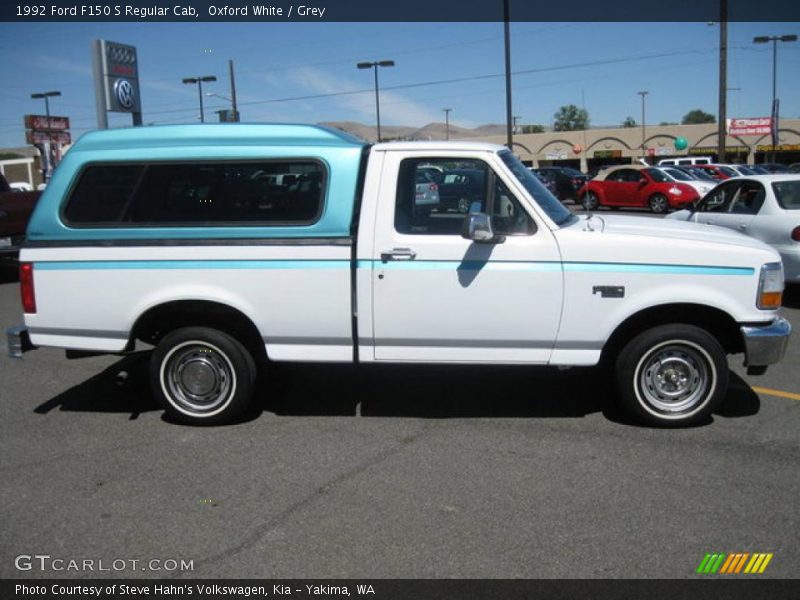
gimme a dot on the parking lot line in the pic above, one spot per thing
(779, 393)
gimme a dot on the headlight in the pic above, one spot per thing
(675, 191)
(770, 286)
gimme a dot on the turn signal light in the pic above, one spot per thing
(771, 300)
(26, 288)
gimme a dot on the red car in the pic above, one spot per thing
(718, 172)
(635, 186)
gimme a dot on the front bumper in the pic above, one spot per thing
(765, 344)
(19, 341)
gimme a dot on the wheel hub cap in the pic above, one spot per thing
(674, 378)
(199, 377)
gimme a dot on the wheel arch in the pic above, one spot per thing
(715, 321)
(159, 320)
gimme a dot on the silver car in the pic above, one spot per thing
(766, 207)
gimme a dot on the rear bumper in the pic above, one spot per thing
(19, 341)
(765, 344)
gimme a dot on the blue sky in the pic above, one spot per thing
(278, 62)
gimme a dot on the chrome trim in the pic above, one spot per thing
(765, 344)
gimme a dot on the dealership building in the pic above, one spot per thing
(595, 148)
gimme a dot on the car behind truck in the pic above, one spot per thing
(15, 210)
(186, 238)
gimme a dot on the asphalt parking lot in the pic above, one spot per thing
(392, 472)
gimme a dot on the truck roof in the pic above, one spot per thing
(216, 134)
(435, 146)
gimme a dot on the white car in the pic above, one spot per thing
(702, 186)
(766, 207)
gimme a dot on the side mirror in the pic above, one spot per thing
(642, 183)
(478, 228)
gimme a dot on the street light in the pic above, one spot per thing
(46, 95)
(199, 81)
(763, 39)
(447, 122)
(374, 65)
(643, 94)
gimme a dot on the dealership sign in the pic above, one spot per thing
(755, 126)
(116, 80)
(40, 123)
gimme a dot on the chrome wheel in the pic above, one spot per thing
(198, 378)
(674, 377)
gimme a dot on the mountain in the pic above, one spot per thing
(431, 131)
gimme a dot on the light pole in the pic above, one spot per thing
(763, 39)
(199, 81)
(374, 65)
(643, 94)
(46, 96)
(507, 48)
(447, 122)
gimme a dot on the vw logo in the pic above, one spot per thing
(123, 90)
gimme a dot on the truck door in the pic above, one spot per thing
(437, 296)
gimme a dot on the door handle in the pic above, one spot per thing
(398, 254)
(742, 226)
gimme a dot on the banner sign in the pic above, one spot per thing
(39, 123)
(753, 126)
(62, 138)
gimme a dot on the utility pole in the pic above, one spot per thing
(643, 94)
(233, 92)
(447, 122)
(507, 35)
(723, 81)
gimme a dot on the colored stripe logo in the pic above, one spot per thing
(734, 563)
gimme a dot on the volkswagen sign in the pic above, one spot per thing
(123, 91)
(117, 77)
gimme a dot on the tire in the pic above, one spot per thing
(672, 375)
(658, 203)
(202, 376)
(590, 201)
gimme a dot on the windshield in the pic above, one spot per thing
(549, 204)
(658, 175)
(787, 193)
(678, 175)
(702, 174)
(728, 171)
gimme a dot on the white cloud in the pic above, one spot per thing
(396, 109)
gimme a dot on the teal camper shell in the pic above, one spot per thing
(340, 154)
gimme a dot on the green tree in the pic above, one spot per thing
(571, 118)
(664, 123)
(697, 116)
(532, 129)
(629, 122)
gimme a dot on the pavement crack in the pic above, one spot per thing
(260, 531)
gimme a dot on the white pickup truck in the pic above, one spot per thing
(227, 246)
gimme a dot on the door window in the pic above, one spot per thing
(720, 198)
(434, 195)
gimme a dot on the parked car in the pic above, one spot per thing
(698, 173)
(15, 210)
(548, 179)
(794, 168)
(766, 207)
(685, 161)
(702, 186)
(459, 187)
(636, 186)
(745, 170)
(774, 168)
(427, 192)
(718, 172)
(568, 181)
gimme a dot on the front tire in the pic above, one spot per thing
(590, 201)
(672, 375)
(202, 376)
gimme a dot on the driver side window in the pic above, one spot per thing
(719, 199)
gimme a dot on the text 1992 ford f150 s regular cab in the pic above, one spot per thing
(226, 244)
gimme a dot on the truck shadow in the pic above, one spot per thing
(791, 296)
(430, 392)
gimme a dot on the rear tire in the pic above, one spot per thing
(672, 375)
(658, 203)
(202, 376)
